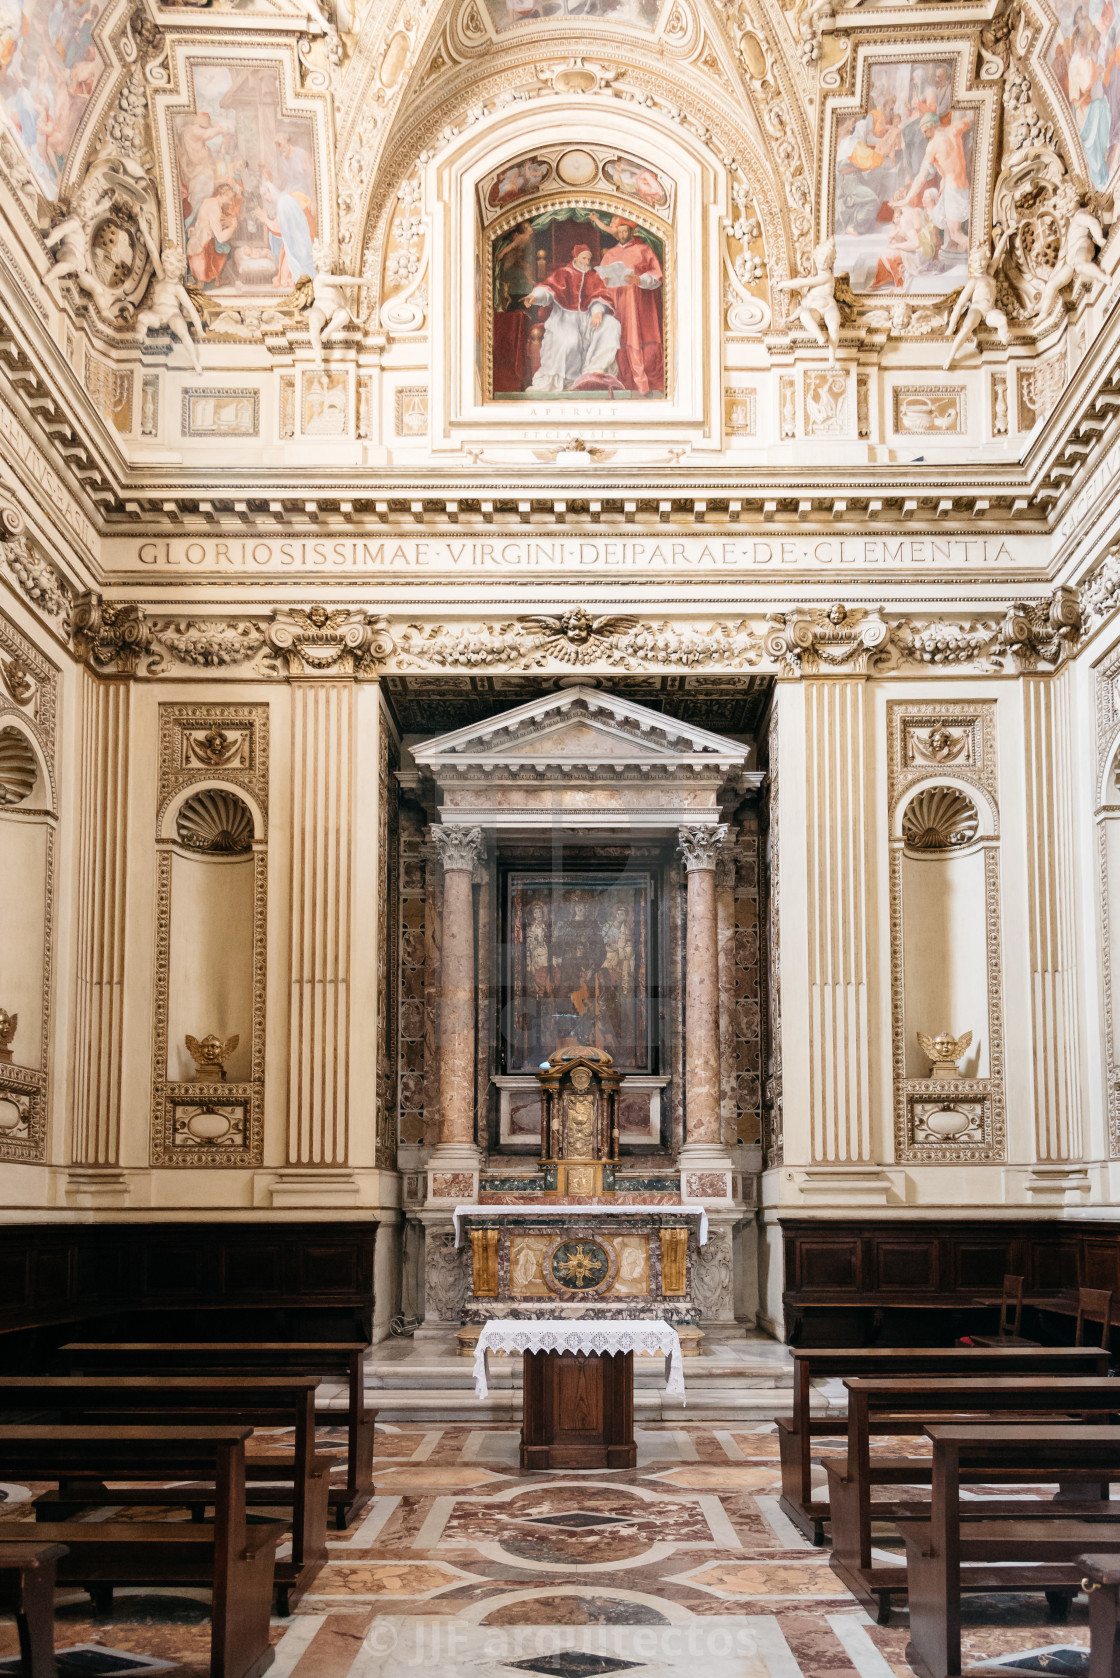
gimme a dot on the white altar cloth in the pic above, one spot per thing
(517, 1210)
(547, 1334)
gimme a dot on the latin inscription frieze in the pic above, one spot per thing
(606, 555)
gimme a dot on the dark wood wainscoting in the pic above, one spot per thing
(183, 1281)
(916, 1283)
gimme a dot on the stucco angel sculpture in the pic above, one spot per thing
(170, 301)
(978, 298)
(8, 1023)
(1082, 237)
(331, 310)
(819, 312)
(944, 1051)
(69, 241)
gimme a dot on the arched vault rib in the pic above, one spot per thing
(646, 83)
(378, 126)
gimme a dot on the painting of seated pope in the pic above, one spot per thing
(579, 308)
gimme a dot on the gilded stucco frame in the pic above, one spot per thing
(975, 718)
(968, 93)
(174, 780)
(194, 47)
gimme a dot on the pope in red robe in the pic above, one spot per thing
(635, 276)
(581, 334)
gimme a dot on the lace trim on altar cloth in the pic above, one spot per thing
(589, 1338)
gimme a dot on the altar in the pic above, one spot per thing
(565, 1245)
(578, 1386)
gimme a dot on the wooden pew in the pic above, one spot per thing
(901, 1405)
(1101, 1583)
(796, 1433)
(300, 1479)
(1014, 1554)
(342, 1359)
(235, 1559)
(27, 1579)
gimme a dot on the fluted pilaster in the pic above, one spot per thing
(100, 915)
(322, 861)
(837, 873)
(1050, 799)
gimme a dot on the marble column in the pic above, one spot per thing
(454, 1163)
(705, 1163)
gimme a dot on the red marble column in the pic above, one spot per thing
(700, 847)
(460, 849)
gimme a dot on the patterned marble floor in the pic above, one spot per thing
(465, 1566)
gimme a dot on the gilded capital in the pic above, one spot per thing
(700, 846)
(459, 847)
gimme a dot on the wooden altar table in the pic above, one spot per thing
(578, 1385)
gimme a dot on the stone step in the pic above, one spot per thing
(452, 1373)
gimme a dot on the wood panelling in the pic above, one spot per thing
(887, 1282)
(299, 1274)
(907, 1265)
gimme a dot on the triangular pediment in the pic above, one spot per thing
(581, 725)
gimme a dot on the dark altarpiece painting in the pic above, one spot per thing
(578, 967)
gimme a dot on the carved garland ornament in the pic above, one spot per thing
(801, 640)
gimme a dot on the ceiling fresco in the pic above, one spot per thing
(649, 240)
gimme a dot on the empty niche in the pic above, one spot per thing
(26, 832)
(944, 927)
(210, 931)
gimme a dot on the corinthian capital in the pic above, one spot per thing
(459, 847)
(700, 845)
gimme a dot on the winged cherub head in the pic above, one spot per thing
(210, 1053)
(944, 1051)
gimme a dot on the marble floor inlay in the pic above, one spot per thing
(465, 1566)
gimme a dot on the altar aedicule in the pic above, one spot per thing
(586, 950)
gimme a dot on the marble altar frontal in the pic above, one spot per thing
(631, 1262)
